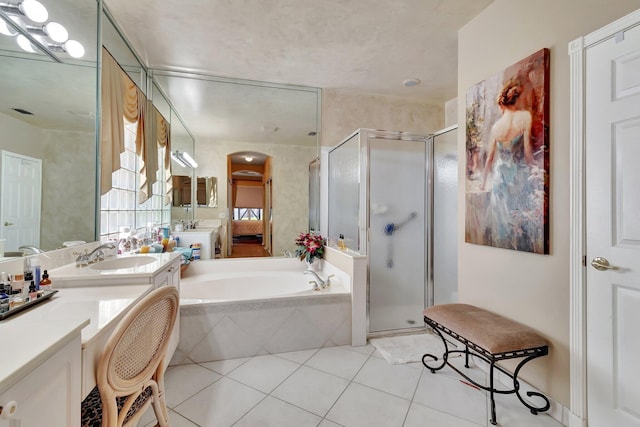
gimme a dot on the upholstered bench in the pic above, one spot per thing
(490, 337)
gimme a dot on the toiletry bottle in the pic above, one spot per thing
(4, 300)
(28, 279)
(33, 293)
(45, 283)
(18, 283)
(341, 244)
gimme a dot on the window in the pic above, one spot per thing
(248, 214)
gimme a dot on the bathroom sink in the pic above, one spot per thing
(126, 262)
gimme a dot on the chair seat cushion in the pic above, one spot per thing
(92, 407)
(492, 332)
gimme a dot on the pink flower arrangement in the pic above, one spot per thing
(310, 246)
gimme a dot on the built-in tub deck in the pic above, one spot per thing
(241, 308)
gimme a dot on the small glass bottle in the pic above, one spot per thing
(33, 292)
(45, 283)
(341, 244)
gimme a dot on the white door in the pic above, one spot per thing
(20, 185)
(613, 230)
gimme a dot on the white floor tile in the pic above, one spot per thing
(183, 381)
(272, 412)
(364, 349)
(221, 404)
(310, 389)
(298, 356)
(264, 372)
(366, 407)
(175, 420)
(399, 380)
(223, 367)
(421, 416)
(327, 423)
(450, 395)
(338, 361)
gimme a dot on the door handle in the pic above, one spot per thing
(602, 264)
(7, 223)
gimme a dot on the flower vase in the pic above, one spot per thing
(316, 265)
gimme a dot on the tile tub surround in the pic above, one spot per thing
(223, 330)
(210, 332)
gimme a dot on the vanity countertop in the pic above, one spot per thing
(71, 273)
(34, 335)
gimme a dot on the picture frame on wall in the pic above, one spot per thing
(507, 162)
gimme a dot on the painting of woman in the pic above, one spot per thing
(507, 158)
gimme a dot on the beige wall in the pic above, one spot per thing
(531, 288)
(345, 111)
(68, 164)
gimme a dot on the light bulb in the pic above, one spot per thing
(189, 160)
(74, 49)
(34, 10)
(248, 159)
(25, 44)
(8, 30)
(56, 32)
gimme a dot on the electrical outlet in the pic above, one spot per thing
(222, 215)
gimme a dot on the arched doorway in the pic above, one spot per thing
(249, 191)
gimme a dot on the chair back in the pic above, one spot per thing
(133, 357)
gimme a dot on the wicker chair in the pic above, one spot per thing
(130, 374)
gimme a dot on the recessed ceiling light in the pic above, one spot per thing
(248, 158)
(411, 82)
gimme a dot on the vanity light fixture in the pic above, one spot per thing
(27, 19)
(32, 9)
(183, 159)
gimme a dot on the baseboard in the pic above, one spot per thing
(576, 421)
(557, 411)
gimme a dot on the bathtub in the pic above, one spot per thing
(232, 308)
(247, 286)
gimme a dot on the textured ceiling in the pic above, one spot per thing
(360, 45)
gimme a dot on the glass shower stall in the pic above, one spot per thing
(381, 203)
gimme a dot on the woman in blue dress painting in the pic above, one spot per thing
(509, 157)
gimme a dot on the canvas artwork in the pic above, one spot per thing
(507, 145)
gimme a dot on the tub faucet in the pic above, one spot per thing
(323, 283)
(30, 249)
(94, 256)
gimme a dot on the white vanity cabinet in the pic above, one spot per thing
(169, 275)
(49, 395)
(207, 237)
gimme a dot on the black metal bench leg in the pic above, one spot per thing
(491, 393)
(466, 356)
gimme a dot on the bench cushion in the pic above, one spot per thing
(492, 332)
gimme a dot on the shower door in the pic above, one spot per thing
(397, 233)
(444, 288)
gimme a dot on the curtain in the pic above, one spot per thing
(121, 100)
(112, 122)
(249, 197)
(163, 139)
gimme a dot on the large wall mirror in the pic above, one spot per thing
(47, 126)
(229, 116)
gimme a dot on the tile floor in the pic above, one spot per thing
(329, 387)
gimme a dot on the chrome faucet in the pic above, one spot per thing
(94, 256)
(30, 249)
(319, 281)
